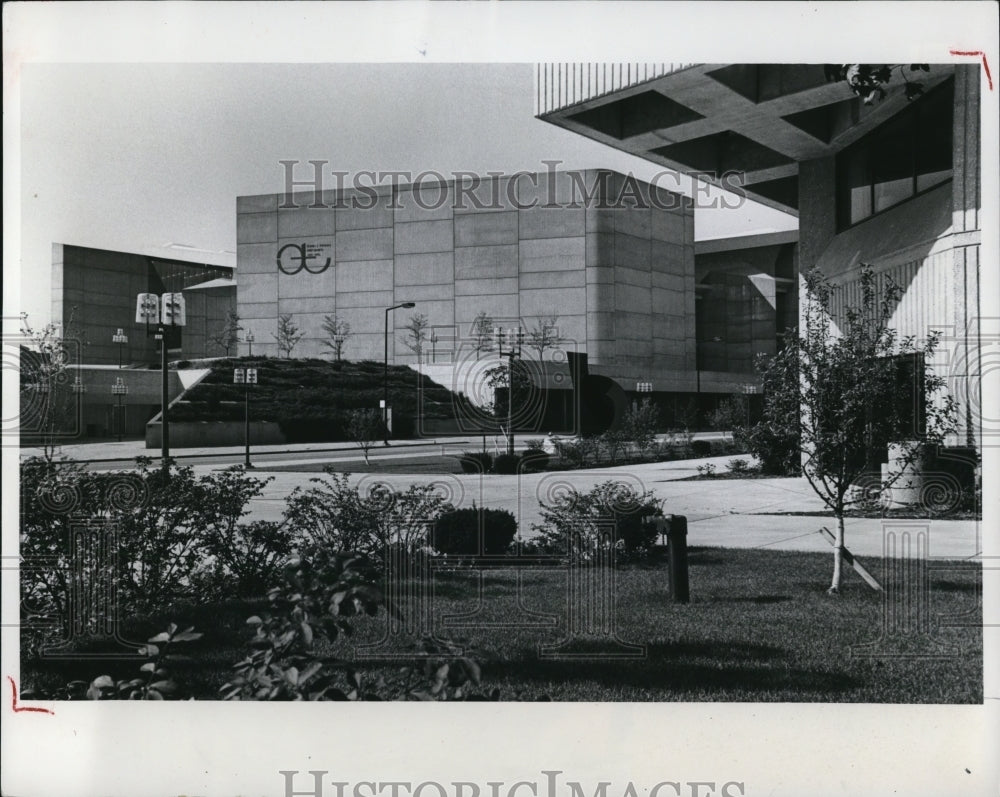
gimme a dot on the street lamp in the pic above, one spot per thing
(165, 311)
(120, 389)
(509, 343)
(121, 339)
(434, 341)
(246, 377)
(249, 342)
(385, 371)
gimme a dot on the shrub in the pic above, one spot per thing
(578, 453)
(708, 469)
(738, 466)
(701, 448)
(506, 464)
(535, 444)
(776, 447)
(575, 523)
(614, 445)
(640, 426)
(338, 517)
(475, 531)
(476, 461)
(534, 459)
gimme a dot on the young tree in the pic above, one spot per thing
(50, 398)
(846, 384)
(544, 335)
(640, 425)
(482, 333)
(288, 335)
(416, 333)
(337, 332)
(227, 337)
(365, 429)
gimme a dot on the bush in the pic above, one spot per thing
(338, 517)
(701, 448)
(640, 426)
(476, 461)
(738, 466)
(776, 447)
(708, 469)
(578, 453)
(614, 445)
(575, 523)
(534, 459)
(475, 531)
(506, 464)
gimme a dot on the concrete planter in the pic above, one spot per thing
(197, 434)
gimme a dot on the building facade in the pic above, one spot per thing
(894, 184)
(607, 260)
(94, 294)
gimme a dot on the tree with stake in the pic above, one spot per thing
(482, 333)
(545, 335)
(844, 372)
(365, 429)
(337, 332)
(288, 335)
(227, 337)
(416, 334)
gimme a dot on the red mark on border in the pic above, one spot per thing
(17, 708)
(986, 66)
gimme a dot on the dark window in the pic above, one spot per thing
(909, 154)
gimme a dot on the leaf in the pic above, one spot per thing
(187, 636)
(255, 620)
(163, 636)
(292, 675)
(167, 686)
(149, 666)
(307, 634)
(102, 682)
(171, 628)
(150, 651)
(152, 694)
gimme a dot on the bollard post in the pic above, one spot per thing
(677, 552)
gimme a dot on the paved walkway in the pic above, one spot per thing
(735, 513)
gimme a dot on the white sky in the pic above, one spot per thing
(132, 157)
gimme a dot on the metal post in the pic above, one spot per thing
(385, 381)
(246, 422)
(510, 404)
(121, 419)
(677, 553)
(164, 400)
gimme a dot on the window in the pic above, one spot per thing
(909, 154)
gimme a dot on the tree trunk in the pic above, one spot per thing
(838, 557)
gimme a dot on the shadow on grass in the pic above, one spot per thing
(681, 667)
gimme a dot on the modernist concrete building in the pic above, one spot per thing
(894, 184)
(94, 293)
(620, 276)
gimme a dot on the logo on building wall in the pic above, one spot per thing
(314, 258)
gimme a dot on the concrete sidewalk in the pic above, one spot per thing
(733, 513)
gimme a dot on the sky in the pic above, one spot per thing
(150, 157)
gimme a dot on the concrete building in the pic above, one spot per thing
(894, 184)
(94, 293)
(620, 276)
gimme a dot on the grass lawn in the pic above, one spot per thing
(759, 628)
(416, 464)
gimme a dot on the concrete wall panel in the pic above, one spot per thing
(552, 254)
(364, 275)
(305, 221)
(254, 228)
(364, 244)
(486, 261)
(433, 268)
(486, 229)
(424, 236)
(541, 222)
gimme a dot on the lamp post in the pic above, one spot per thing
(509, 343)
(120, 389)
(121, 339)
(245, 377)
(385, 371)
(249, 342)
(434, 341)
(166, 311)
